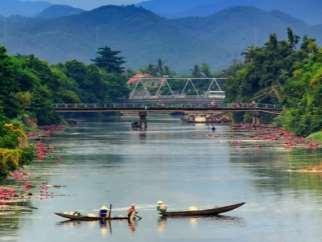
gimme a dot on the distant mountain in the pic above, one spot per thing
(170, 8)
(23, 8)
(143, 36)
(56, 11)
(308, 10)
(197, 11)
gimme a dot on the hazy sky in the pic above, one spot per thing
(88, 4)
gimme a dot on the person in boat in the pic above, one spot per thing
(76, 213)
(103, 212)
(162, 207)
(135, 125)
(131, 212)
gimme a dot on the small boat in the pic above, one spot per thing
(135, 125)
(207, 212)
(80, 217)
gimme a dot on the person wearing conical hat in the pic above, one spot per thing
(131, 212)
(161, 207)
(103, 212)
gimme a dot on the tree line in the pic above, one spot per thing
(30, 87)
(286, 72)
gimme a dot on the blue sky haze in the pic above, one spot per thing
(89, 4)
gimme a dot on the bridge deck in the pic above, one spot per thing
(164, 106)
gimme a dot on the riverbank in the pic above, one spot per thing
(28, 147)
(15, 149)
(193, 170)
(19, 148)
(268, 134)
(316, 137)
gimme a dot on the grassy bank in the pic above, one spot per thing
(15, 150)
(316, 137)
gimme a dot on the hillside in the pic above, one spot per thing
(56, 11)
(171, 8)
(23, 8)
(308, 10)
(143, 36)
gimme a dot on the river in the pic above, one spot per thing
(181, 164)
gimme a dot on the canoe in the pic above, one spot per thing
(87, 217)
(207, 212)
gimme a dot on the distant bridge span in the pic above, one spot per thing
(167, 106)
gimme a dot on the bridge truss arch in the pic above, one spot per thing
(144, 88)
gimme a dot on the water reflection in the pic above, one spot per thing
(193, 222)
(9, 225)
(104, 226)
(179, 163)
(142, 136)
(277, 170)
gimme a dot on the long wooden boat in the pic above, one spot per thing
(207, 212)
(88, 217)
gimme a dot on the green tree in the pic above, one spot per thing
(8, 85)
(303, 112)
(265, 70)
(109, 60)
(286, 72)
(160, 69)
(196, 71)
(205, 70)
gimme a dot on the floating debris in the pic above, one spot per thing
(275, 135)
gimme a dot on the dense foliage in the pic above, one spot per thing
(284, 72)
(30, 87)
(14, 146)
(303, 112)
(158, 70)
(109, 60)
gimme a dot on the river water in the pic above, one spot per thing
(181, 164)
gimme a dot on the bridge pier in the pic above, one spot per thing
(218, 117)
(143, 123)
(256, 119)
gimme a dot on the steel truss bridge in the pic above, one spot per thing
(171, 95)
(176, 87)
(167, 106)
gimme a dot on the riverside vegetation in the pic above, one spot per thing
(30, 87)
(286, 72)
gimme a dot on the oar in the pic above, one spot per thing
(31, 207)
(110, 212)
(110, 226)
(138, 217)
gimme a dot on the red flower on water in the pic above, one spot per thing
(7, 193)
(19, 175)
(41, 150)
(27, 186)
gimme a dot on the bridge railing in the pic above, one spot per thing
(166, 105)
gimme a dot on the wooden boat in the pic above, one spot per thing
(81, 217)
(207, 212)
(135, 125)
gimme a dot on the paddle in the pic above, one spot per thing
(138, 217)
(110, 212)
(31, 207)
